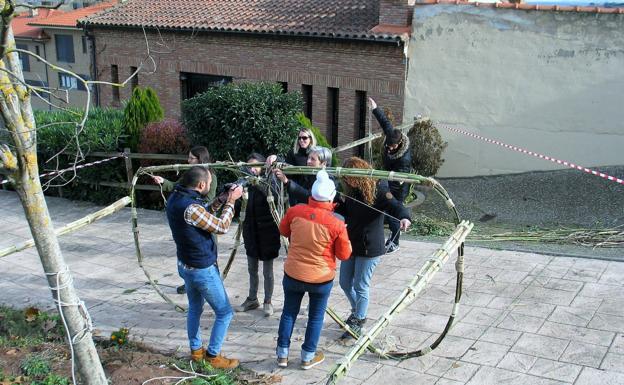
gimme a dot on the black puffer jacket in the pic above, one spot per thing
(299, 193)
(260, 232)
(304, 181)
(365, 225)
(400, 160)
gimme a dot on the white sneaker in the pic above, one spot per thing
(268, 309)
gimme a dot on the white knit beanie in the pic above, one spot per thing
(323, 189)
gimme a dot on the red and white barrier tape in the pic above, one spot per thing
(535, 154)
(121, 155)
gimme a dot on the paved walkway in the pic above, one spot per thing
(524, 319)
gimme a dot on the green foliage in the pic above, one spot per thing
(142, 108)
(426, 146)
(120, 337)
(52, 379)
(218, 376)
(424, 225)
(56, 130)
(22, 328)
(321, 140)
(35, 366)
(239, 118)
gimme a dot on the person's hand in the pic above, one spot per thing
(271, 159)
(235, 193)
(372, 103)
(405, 224)
(158, 179)
(280, 175)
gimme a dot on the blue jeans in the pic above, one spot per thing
(206, 285)
(293, 294)
(355, 278)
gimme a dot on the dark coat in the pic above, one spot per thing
(304, 181)
(365, 225)
(260, 232)
(400, 160)
(300, 192)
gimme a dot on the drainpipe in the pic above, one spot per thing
(45, 56)
(96, 89)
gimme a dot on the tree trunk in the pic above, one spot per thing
(20, 166)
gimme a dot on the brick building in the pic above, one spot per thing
(336, 52)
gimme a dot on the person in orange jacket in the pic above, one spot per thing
(317, 237)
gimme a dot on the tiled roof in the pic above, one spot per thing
(22, 29)
(530, 7)
(70, 18)
(347, 19)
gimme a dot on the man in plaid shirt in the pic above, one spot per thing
(193, 227)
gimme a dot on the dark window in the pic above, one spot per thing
(360, 119)
(306, 90)
(115, 79)
(84, 44)
(64, 48)
(37, 52)
(284, 86)
(24, 57)
(332, 115)
(135, 79)
(69, 82)
(193, 84)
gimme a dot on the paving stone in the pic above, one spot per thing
(461, 371)
(598, 290)
(540, 346)
(485, 353)
(396, 375)
(555, 370)
(551, 296)
(501, 303)
(571, 316)
(584, 354)
(500, 336)
(607, 322)
(589, 303)
(532, 308)
(612, 306)
(440, 366)
(446, 381)
(563, 284)
(618, 344)
(483, 316)
(521, 322)
(496, 376)
(577, 333)
(613, 362)
(466, 330)
(591, 376)
(517, 362)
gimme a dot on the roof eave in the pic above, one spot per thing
(398, 40)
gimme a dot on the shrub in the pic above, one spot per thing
(166, 137)
(35, 366)
(321, 140)
(239, 118)
(142, 108)
(56, 130)
(426, 146)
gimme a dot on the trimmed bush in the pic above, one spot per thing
(321, 140)
(142, 108)
(238, 118)
(56, 130)
(426, 146)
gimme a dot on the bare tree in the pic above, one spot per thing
(18, 161)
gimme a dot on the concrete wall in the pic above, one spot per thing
(551, 82)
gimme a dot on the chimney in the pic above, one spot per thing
(395, 12)
(33, 12)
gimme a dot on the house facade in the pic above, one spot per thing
(54, 36)
(335, 52)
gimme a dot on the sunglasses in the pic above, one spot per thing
(304, 137)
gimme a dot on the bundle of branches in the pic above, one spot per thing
(613, 237)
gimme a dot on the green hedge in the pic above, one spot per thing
(239, 118)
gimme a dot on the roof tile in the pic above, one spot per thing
(334, 18)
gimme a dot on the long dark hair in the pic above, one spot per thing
(202, 154)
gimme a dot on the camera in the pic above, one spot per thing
(223, 193)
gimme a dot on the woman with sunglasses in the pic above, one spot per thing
(299, 192)
(298, 156)
(398, 158)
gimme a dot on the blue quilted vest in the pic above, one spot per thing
(195, 246)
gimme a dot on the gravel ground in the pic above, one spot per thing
(549, 199)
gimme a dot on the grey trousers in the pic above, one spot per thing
(267, 272)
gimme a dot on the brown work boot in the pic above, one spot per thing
(221, 362)
(198, 355)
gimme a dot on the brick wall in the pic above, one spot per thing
(396, 12)
(376, 68)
